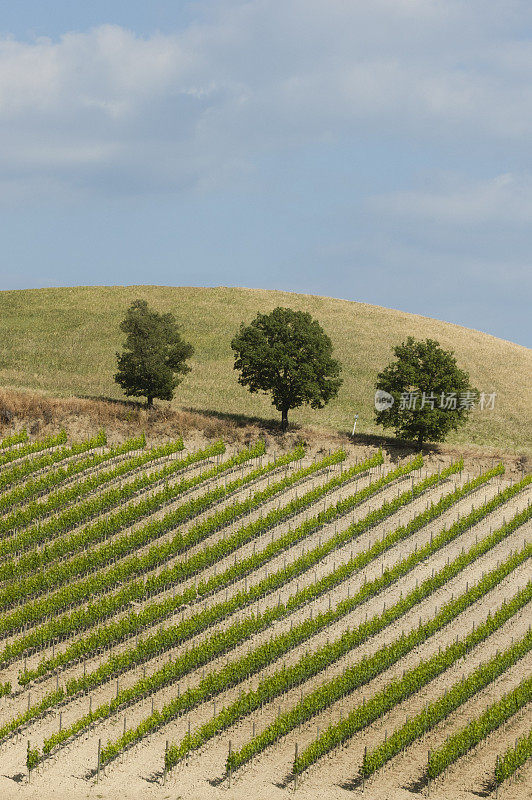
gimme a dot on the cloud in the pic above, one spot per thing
(107, 110)
(503, 199)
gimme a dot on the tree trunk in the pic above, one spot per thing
(284, 419)
(420, 441)
(150, 402)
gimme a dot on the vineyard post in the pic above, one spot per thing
(496, 778)
(364, 768)
(295, 771)
(229, 762)
(98, 767)
(428, 773)
(165, 760)
(28, 762)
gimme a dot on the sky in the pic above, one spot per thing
(374, 150)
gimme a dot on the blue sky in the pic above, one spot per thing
(376, 151)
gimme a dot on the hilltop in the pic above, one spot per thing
(62, 342)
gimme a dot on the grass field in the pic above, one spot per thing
(213, 623)
(63, 342)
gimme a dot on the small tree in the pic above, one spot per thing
(155, 355)
(431, 395)
(288, 354)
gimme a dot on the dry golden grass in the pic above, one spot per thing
(62, 342)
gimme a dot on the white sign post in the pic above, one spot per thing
(354, 426)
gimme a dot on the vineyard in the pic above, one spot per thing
(253, 622)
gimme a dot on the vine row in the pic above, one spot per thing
(73, 593)
(435, 712)
(472, 734)
(105, 637)
(148, 648)
(33, 447)
(513, 758)
(400, 689)
(68, 571)
(18, 472)
(14, 438)
(50, 481)
(312, 664)
(91, 508)
(219, 643)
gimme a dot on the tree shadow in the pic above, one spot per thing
(243, 420)
(395, 448)
(123, 406)
(117, 401)
(239, 420)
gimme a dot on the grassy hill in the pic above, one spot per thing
(63, 342)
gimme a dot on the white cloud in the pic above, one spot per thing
(108, 110)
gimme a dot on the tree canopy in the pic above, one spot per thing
(287, 354)
(431, 394)
(154, 359)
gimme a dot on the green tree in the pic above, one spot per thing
(287, 354)
(431, 394)
(154, 359)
